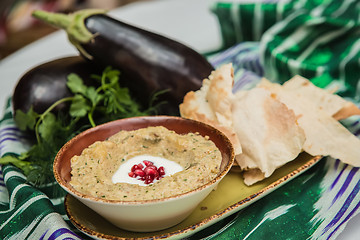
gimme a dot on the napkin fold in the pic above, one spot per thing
(318, 40)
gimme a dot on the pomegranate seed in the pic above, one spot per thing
(149, 179)
(151, 167)
(161, 171)
(147, 174)
(134, 168)
(151, 171)
(148, 163)
(139, 172)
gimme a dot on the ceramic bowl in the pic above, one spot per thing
(146, 215)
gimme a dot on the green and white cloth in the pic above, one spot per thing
(318, 40)
(276, 39)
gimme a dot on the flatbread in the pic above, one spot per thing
(252, 176)
(324, 134)
(268, 131)
(332, 104)
(212, 103)
(274, 122)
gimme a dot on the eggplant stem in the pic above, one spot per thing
(58, 20)
(73, 24)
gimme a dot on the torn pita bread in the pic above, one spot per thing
(324, 134)
(274, 122)
(268, 131)
(332, 104)
(212, 103)
(253, 176)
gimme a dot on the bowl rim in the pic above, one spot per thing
(68, 188)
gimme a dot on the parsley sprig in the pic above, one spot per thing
(89, 106)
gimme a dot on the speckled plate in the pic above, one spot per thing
(230, 196)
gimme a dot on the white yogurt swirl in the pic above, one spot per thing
(122, 174)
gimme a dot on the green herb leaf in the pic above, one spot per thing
(27, 120)
(79, 106)
(103, 103)
(112, 75)
(24, 165)
(46, 127)
(93, 96)
(76, 84)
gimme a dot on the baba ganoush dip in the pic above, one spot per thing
(92, 172)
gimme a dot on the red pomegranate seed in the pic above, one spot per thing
(148, 163)
(151, 167)
(149, 179)
(139, 172)
(161, 171)
(147, 174)
(151, 171)
(135, 167)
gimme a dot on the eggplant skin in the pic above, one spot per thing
(148, 62)
(44, 84)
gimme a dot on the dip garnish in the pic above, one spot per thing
(148, 173)
(145, 169)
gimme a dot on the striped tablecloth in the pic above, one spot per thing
(276, 39)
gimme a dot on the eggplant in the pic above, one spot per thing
(44, 84)
(148, 61)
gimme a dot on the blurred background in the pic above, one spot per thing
(18, 28)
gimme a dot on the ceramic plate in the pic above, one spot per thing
(230, 196)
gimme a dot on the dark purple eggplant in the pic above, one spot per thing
(43, 85)
(148, 62)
